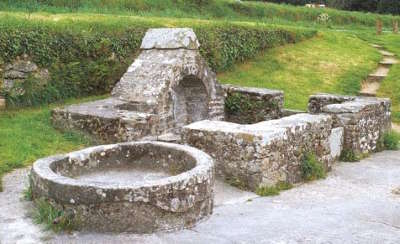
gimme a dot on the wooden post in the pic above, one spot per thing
(395, 26)
(2, 103)
(379, 27)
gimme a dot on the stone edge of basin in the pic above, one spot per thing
(166, 204)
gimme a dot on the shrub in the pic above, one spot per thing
(391, 140)
(311, 168)
(389, 7)
(349, 156)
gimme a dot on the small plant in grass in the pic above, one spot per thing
(52, 217)
(391, 140)
(311, 168)
(27, 194)
(349, 156)
(265, 191)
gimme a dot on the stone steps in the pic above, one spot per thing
(371, 85)
(386, 53)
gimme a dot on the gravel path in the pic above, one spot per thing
(357, 203)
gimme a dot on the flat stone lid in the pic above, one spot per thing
(170, 38)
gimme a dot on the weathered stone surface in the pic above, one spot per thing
(170, 38)
(248, 105)
(169, 87)
(365, 120)
(336, 140)
(263, 153)
(17, 72)
(165, 203)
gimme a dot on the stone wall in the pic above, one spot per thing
(365, 119)
(268, 152)
(16, 73)
(248, 105)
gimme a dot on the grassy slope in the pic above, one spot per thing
(391, 85)
(27, 135)
(204, 9)
(332, 62)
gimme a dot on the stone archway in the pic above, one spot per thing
(190, 101)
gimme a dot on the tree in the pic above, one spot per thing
(389, 7)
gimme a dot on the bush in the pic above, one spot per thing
(311, 168)
(391, 140)
(89, 57)
(349, 156)
(389, 7)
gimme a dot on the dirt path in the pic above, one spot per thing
(357, 203)
(370, 86)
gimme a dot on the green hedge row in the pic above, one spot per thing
(89, 57)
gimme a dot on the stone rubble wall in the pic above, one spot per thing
(365, 120)
(248, 105)
(265, 153)
(18, 72)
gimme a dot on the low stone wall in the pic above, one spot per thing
(364, 119)
(248, 105)
(268, 152)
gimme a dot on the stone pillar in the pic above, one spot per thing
(379, 26)
(395, 26)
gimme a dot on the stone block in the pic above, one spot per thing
(170, 38)
(248, 105)
(364, 119)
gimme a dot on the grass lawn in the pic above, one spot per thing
(27, 135)
(332, 62)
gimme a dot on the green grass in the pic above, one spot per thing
(390, 87)
(27, 134)
(266, 191)
(331, 62)
(203, 9)
(52, 217)
(311, 168)
(391, 140)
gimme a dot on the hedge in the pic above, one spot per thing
(89, 57)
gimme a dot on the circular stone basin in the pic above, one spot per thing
(138, 187)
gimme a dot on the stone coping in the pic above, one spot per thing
(251, 90)
(267, 130)
(170, 38)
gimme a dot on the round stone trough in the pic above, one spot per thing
(138, 187)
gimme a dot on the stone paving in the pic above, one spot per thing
(356, 203)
